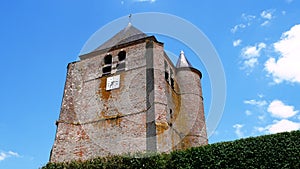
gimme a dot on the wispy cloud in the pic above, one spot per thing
(238, 130)
(264, 18)
(260, 107)
(248, 18)
(248, 112)
(253, 51)
(237, 27)
(4, 155)
(246, 21)
(267, 16)
(258, 103)
(237, 42)
(265, 23)
(286, 67)
(250, 55)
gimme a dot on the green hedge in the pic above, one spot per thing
(270, 151)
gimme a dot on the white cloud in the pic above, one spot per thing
(265, 23)
(260, 95)
(237, 42)
(260, 129)
(286, 68)
(258, 103)
(253, 51)
(267, 14)
(250, 55)
(251, 63)
(278, 109)
(248, 112)
(238, 131)
(247, 21)
(13, 154)
(5, 155)
(248, 18)
(237, 27)
(261, 118)
(282, 126)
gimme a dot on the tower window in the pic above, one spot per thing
(172, 83)
(166, 72)
(107, 64)
(106, 70)
(121, 64)
(172, 79)
(167, 76)
(108, 59)
(122, 56)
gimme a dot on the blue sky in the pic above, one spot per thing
(257, 42)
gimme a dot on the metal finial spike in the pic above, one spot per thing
(129, 17)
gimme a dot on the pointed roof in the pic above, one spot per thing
(128, 34)
(182, 61)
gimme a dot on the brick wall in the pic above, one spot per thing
(144, 114)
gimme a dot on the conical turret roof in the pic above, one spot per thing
(128, 34)
(182, 61)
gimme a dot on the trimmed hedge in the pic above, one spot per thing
(270, 151)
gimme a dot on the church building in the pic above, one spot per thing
(127, 96)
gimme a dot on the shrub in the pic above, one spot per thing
(270, 151)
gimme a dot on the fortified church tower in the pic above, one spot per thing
(127, 96)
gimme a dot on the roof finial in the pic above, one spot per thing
(129, 18)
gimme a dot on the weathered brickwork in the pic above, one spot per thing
(150, 110)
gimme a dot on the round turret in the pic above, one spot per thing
(191, 121)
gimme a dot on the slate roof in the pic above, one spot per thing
(128, 34)
(182, 61)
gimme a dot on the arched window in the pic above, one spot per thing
(121, 64)
(122, 56)
(108, 59)
(107, 64)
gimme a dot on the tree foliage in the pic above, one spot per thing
(270, 151)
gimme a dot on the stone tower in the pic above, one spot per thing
(126, 96)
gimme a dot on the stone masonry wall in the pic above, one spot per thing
(146, 113)
(95, 122)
